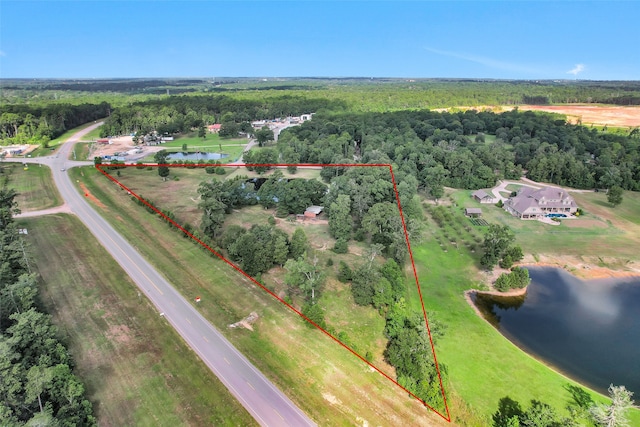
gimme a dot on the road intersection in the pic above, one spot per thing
(268, 405)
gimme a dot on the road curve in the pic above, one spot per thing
(268, 405)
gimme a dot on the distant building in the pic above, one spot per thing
(312, 212)
(483, 197)
(531, 203)
(214, 128)
(473, 212)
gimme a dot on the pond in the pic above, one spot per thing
(196, 156)
(588, 330)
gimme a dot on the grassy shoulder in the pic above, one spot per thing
(325, 380)
(80, 151)
(137, 370)
(35, 187)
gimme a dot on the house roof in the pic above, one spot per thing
(315, 209)
(547, 197)
(481, 194)
(215, 126)
(473, 210)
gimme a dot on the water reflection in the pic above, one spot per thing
(589, 330)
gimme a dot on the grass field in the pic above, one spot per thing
(35, 186)
(326, 381)
(212, 141)
(602, 232)
(80, 151)
(482, 365)
(137, 370)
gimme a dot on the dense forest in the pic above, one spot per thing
(362, 94)
(37, 384)
(469, 149)
(26, 124)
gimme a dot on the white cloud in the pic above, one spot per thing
(577, 69)
(487, 62)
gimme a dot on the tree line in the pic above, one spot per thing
(178, 114)
(26, 124)
(470, 149)
(37, 383)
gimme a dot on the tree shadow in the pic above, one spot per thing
(507, 409)
(581, 398)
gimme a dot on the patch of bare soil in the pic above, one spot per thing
(587, 268)
(247, 322)
(91, 197)
(121, 144)
(593, 114)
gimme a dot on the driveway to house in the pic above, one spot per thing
(268, 405)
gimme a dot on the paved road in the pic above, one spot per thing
(268, 405)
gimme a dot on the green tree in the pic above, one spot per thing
(299, 243)
(202, 132)
(614, 195)
(280, 249)
(496, 242)
(305, 275)
(615, 414)
(340, 220)
(161, 159)
(264, 135)
(314, 313)
(38, 379)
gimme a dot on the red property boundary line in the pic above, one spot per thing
(447, 416)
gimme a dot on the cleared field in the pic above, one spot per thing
(137, 370)
(610, 115)
(35, 186)
(326, 381)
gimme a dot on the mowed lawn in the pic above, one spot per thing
(211, 141)
(324, 379)
(602, 232)
(137, 370)
(34, 186)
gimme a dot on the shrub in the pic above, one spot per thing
(345, 274)
(220, 170)
(341, 246)
(209, 169)
(271, 220)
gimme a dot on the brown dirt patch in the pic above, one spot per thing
(91, 197)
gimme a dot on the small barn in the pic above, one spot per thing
(312, 212)
(214, 128)
(483, 197)
(473, 212)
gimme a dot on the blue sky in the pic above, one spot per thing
(458, 39)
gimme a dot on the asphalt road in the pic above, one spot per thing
(268, 405)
